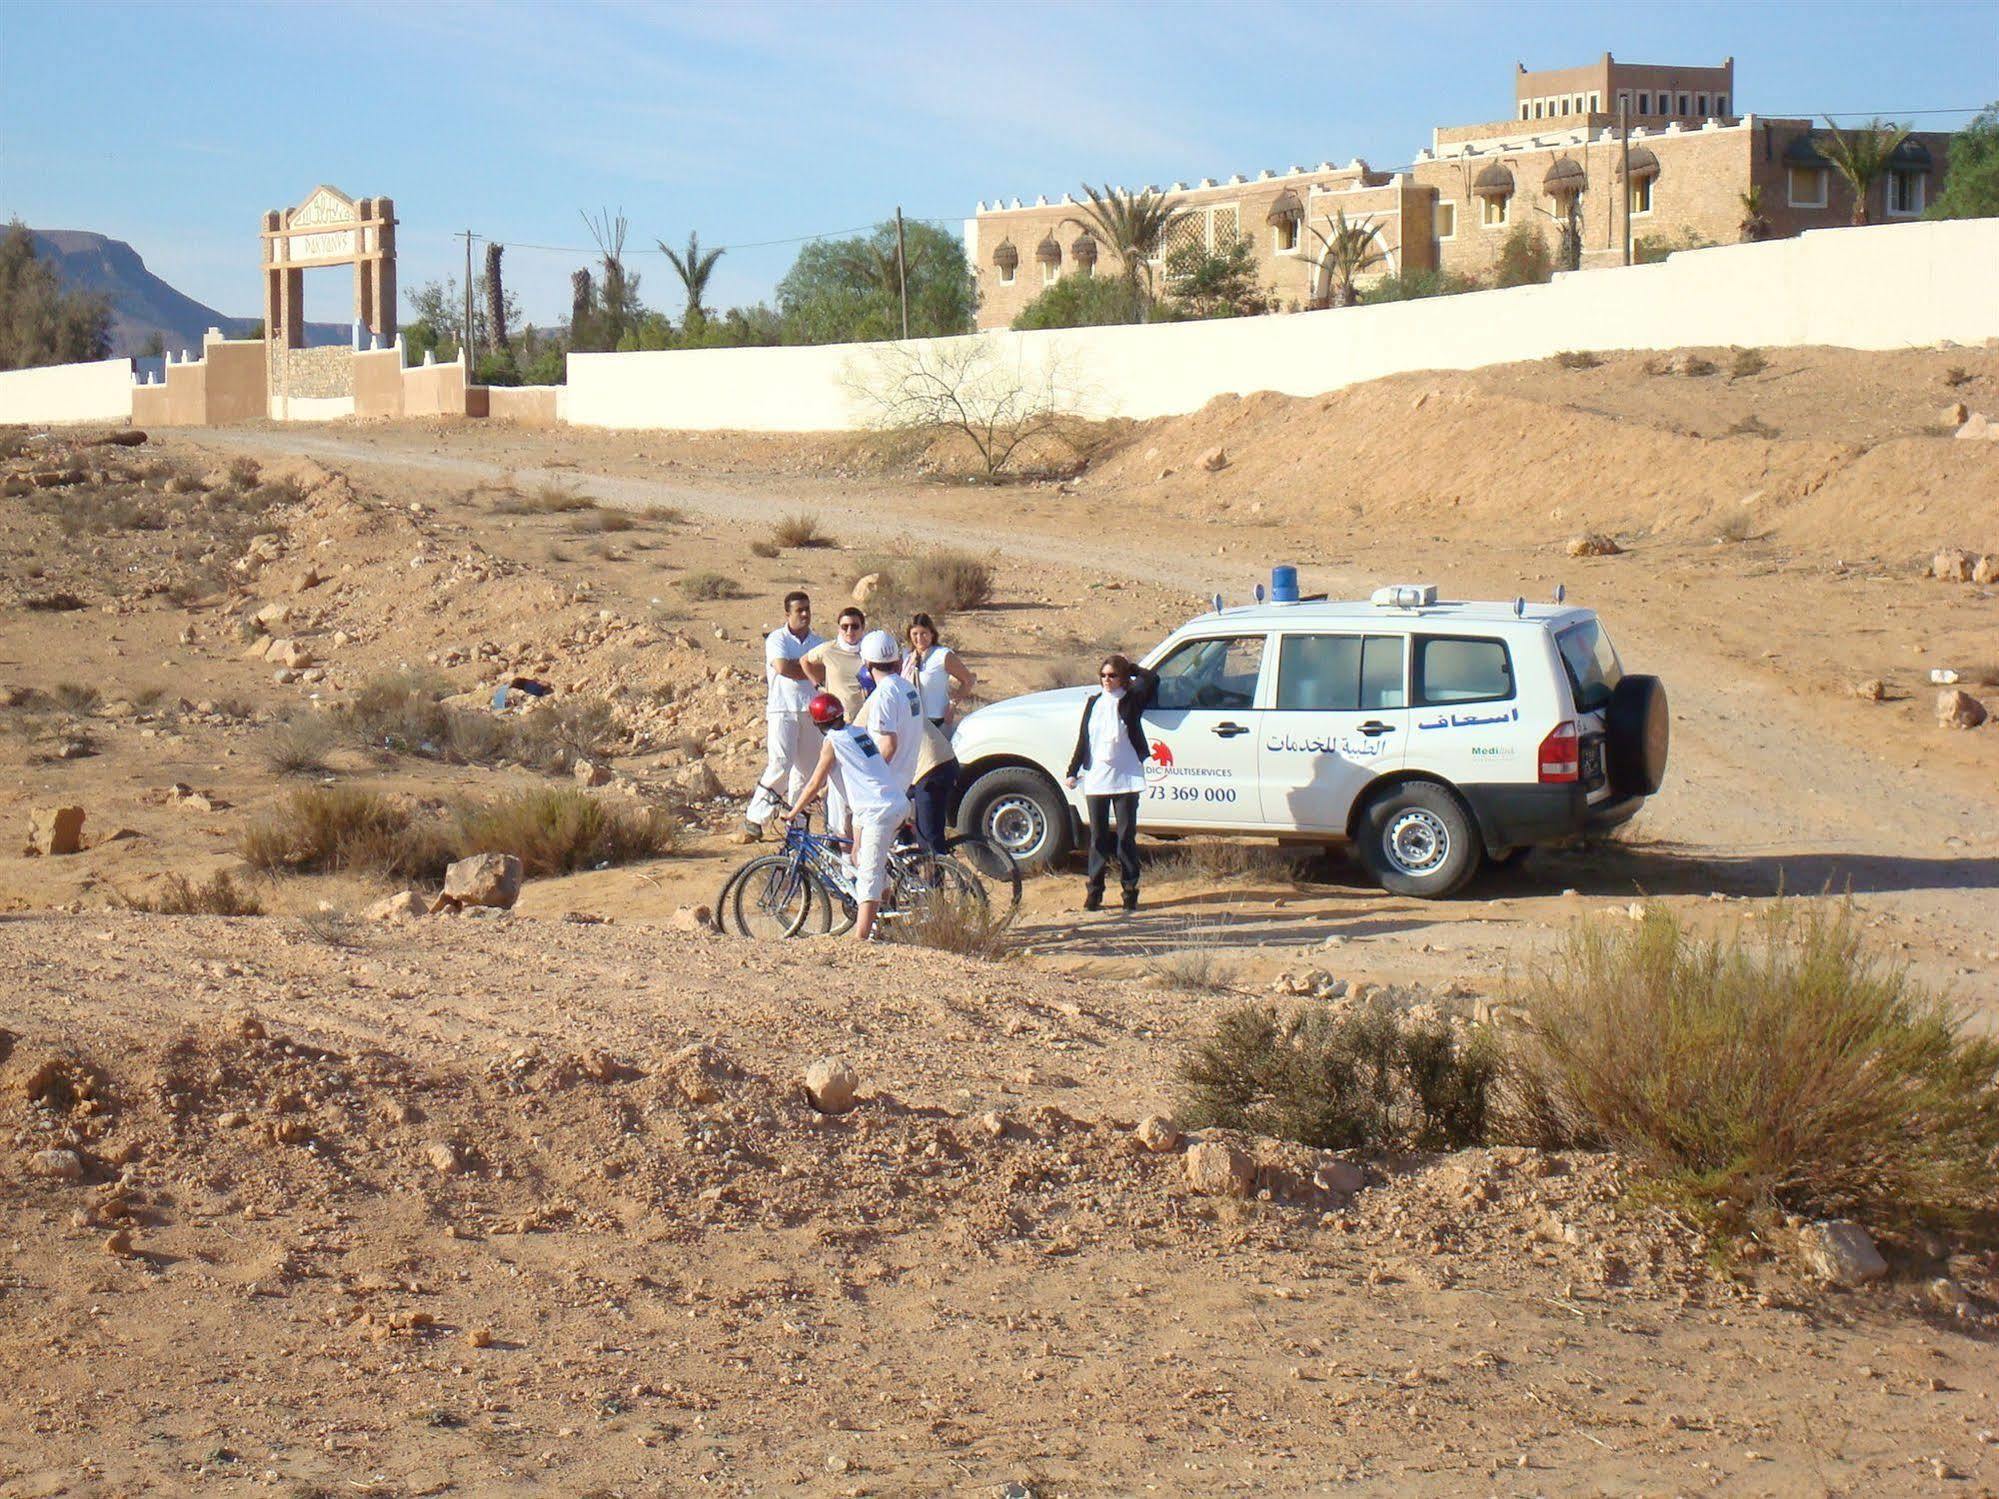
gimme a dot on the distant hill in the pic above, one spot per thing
(141, 303)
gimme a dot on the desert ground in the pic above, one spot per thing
(536, 1201)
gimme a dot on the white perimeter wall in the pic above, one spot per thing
(100, 392)
(1885, 287)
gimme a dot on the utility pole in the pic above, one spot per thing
(901, 273)
(1624, 165)
(465, 343)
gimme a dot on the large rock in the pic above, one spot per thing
(1957, 709)
(1156, 1133)
(1952, 565)
(831, 1084)
(1217, 1169)
(1841, 1252)
(404, 905)
(698, 780)
(1978, 427)
(484, 880)
(1215, 460)
(1985, 569)
(55, 830)
(592, 773)
(1593, 544)
(58, 1165)
(864, 588)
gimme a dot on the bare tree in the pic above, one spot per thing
(618, 295)
(967, 386)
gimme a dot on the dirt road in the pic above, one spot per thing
(1772, 790)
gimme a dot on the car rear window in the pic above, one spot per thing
(1591, 662)
(1462, 669)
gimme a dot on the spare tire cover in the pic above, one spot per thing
(1640, 727)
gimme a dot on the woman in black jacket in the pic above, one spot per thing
(1109, 762)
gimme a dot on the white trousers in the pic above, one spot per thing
(792, 743)
(874, 836)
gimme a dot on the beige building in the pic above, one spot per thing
(1560, 160)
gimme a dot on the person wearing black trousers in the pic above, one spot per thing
(1109, 763)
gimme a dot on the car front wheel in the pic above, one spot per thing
(1021, 811)
(1419, 839)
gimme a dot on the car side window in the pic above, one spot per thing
(1214, 673)
(1458, 669)
(1339, 673)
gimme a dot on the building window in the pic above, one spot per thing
(1905, 194)
(1446, 220)
(1050, 273)
(1284, 235)
(1645, 104)
(1596, 104)
(1684, 101)
(1641, 196)
(1808, 187)
(1700, 105)
(1493, 211)
(1537, 109)
(1523, 109)
(1721, 105)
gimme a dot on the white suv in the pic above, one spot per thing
(1432, 734)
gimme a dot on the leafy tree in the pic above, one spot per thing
(652, 330)
(1204, 283)
(1524, 259)
(739, 327)
(439, 320)
(1755, 224)
(1861, 157)
(1083, 302)
(1348, 252)
(155, 346)
(1412, 286)
(846, 291)
(1971, 181)
(693, 267)
(40, 323)
(1133, 227)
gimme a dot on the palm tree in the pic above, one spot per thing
(1134, 227)
(1349, 250)
(1861, 156)
(693, 268)
(1755, 223)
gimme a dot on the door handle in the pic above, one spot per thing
(1229, 730)
(1374, 728)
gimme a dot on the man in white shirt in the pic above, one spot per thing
(789, 736)
(894, 709)
(861, 765)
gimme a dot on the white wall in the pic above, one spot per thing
(1885, 287)
(100, 392)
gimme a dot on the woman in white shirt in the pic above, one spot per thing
(1109, 763)
(935, 669)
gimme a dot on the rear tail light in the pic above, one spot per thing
(1560, 755)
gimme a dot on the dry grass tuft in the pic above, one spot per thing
(799, 531)
(1737, 526)
(1193, 970)
(180, 896)
(298, 746)
(1779, 1068)
(1363, 1079)
(1577, 359)
(764, 549)
(543, 499)
(709, 587)
(1747, 362)
(969, 927)
(1217, 860)
(936, 582)
(76, 697)
(602, 520)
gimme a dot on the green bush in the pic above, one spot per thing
(1524, 258)
(1083, 302)
(1410, 286)
(1971, 181)
(1363, 1079)
(1786, 1068)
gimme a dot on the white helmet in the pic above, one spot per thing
(878, 648)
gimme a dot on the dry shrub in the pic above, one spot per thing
(1747, 362)
(1193, 970)
(709, 587)
(799, 531)
(935, 582)
(60, 602)
(1218, 860)
(1737, 526)
(1781, 1068)
(764, 549)
(551, 831)
(76, 697)
(298, 746)
(1359, 1079)
(599, 519)
(1698, 366)
(1577, 359)
(967, 926)
(243, 472)
(402, 714)
(1956, 375)
(180, 896)
(556, 735)
(1750, 426)
(543, 499)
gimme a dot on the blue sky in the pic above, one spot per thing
(175, 126)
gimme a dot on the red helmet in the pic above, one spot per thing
(826, 710)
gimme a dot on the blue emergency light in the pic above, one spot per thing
(1284, 584)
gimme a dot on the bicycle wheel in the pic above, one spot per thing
(992, 864)
(924, 883)
(839, 912)
(774, 898)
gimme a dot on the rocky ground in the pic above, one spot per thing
(539, 1200)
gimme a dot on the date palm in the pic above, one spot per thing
(1755, 224)
(693, 266)
(1134, 227)
(1862, 156)
(1349, 250)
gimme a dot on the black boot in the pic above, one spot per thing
(1130, 899)
(1093, 897)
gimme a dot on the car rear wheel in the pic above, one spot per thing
(1419, 839)
(1021, 812)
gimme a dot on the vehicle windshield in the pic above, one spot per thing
(1591, 662)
